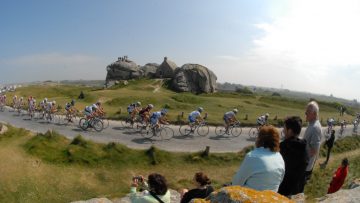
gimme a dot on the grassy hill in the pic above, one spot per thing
(50, 168)
(116, 99)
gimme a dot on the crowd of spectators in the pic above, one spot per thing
(283, 167)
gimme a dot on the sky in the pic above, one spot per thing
(303, 45)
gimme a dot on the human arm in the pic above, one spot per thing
(244, 172)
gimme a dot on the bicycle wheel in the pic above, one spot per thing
(185, 130)
(105, 122)
(203, 130)
(147, 132)
(236, 131)
(166, 133)
(253, 132)
(97, 124)
(83, 123)
(220, 130)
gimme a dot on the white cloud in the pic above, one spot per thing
(308, 48)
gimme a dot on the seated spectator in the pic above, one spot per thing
(339, 176)
(156, 189)
(202, 190)
(263, 168)
(293, 151)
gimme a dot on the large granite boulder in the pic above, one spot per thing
(238, 194)
(343, 196)
(166, 69)
(194, 78)
(149, 70)
(123, 69)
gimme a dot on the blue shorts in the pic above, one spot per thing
(153, 121)
(191, 120)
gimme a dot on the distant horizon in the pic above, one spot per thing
(251, 85)
(302, 45)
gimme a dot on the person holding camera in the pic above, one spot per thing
(155, 189)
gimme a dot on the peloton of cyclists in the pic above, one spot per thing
(195, 116)
(229, 118)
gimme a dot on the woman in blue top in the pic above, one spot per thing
(263, 168)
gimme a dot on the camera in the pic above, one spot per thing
(138, 178)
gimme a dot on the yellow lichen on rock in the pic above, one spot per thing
(238, 194)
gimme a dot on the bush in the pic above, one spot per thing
(81, 96)
(244, 90)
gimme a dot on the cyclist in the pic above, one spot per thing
(195, 116)
(14, 101)
(99, 111)
(355, 123)
(69, 107)
(229, 118)
(89, 112)
(330, 123)
(51, 107)
(20, 103)
(158, 118)
(32, 105)
(145, 113)
(262, 120)
(134, 109)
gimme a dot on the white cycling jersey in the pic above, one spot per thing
(193, 115)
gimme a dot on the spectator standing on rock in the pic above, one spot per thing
(263, 168)
(202, 190)
(313, 137)
(329, 143)
(293, 151)
(156, 189)
(339, 176)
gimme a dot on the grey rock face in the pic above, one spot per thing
(343, 196)
(123, 69)
(149, 70)
(166, 69)
(194, 78)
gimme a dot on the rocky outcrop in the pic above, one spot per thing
(189, 78)
(166, 69)
(343, 196)
(194, 78)
(175, 198)
(232, 194)
(123, 69)
(149, 70)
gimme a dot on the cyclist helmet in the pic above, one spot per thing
(54, 102)
(98, 103)
(200, 109)
(93, 108)
(73, 102)
(267, 114)
(235, 111)
(45, 100)
(21, 98)
(15, 96)
(163, 111)
(138, 103)
(34, 100)
(150, 106)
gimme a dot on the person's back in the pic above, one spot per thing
(265, 170)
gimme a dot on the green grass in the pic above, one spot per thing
(50, 168)
(117, 98)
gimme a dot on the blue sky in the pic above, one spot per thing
(302, 45)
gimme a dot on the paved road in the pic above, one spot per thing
(115, 133)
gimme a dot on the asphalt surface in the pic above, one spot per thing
(118, 134)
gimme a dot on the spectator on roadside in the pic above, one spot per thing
(263, 168)
(156, 189)
(313, 137)
(339, 176)
(202, 190)
(293, 151)
(329, 143)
